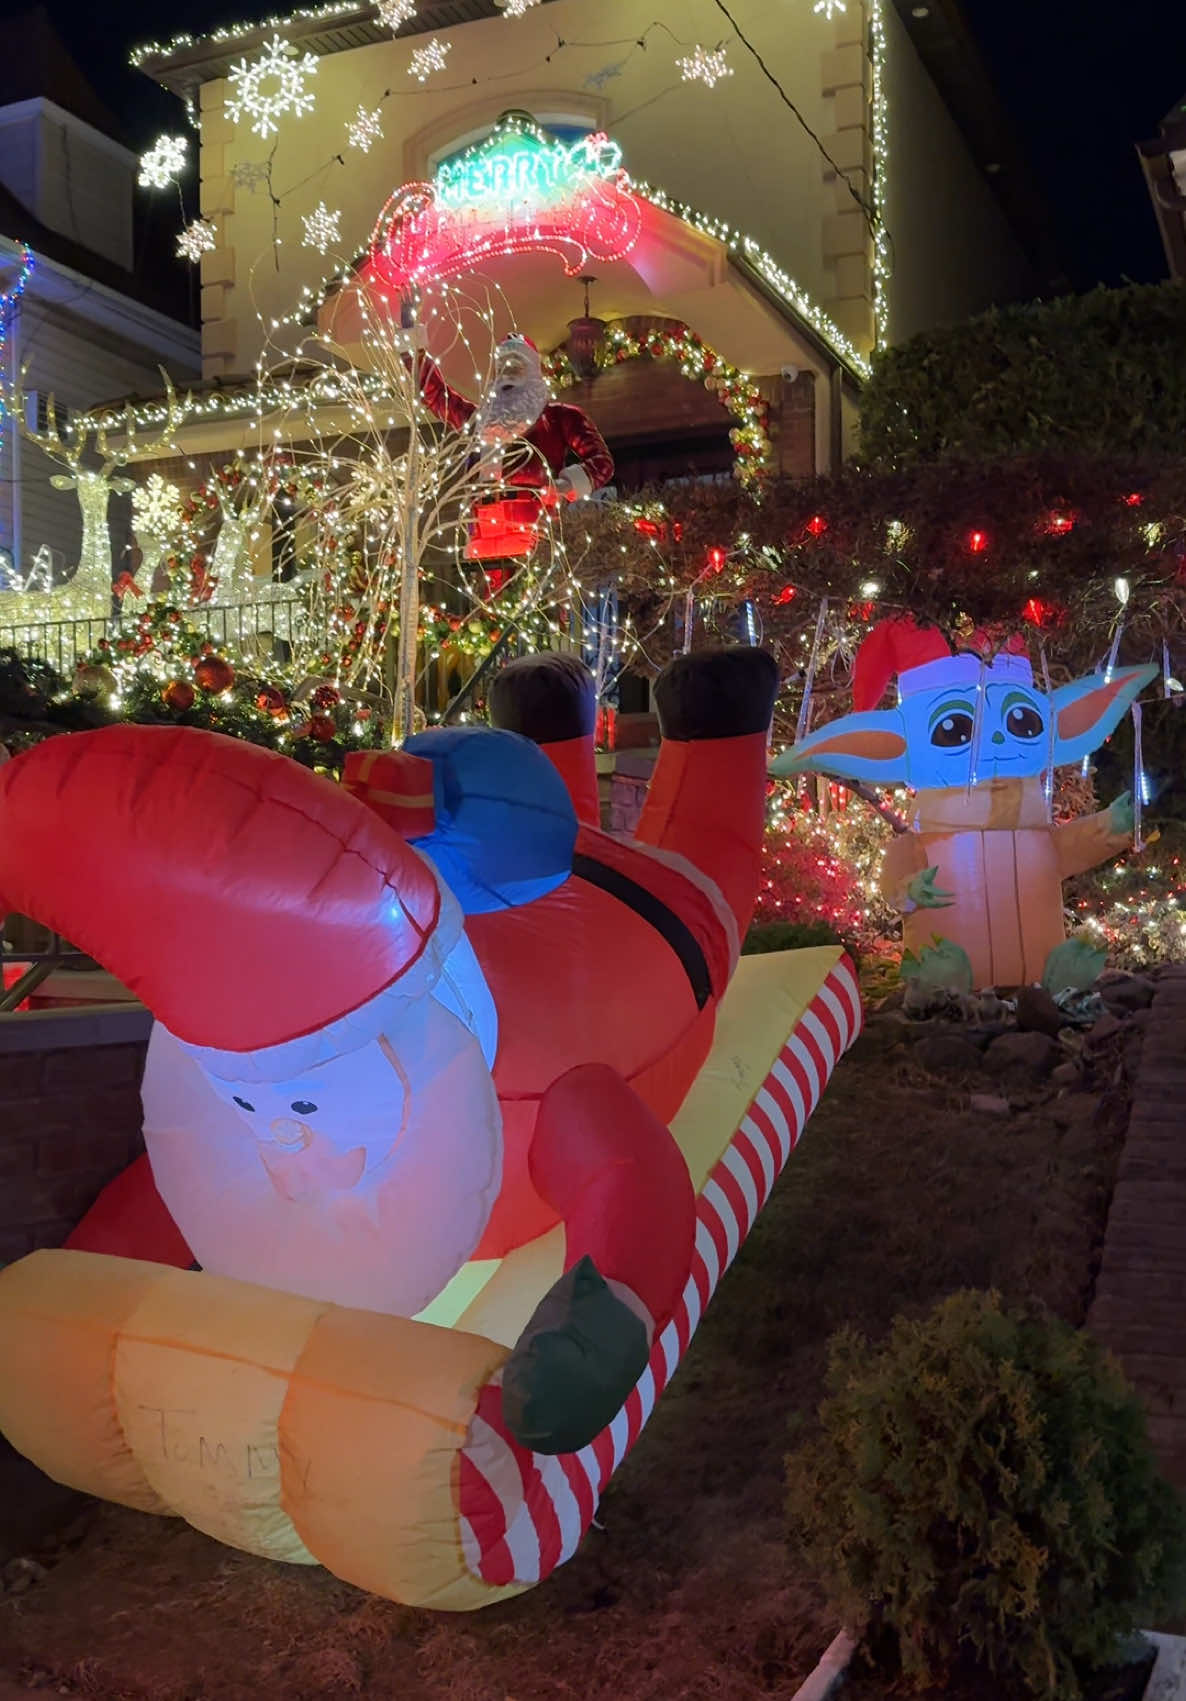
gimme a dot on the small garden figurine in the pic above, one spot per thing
(972, 737)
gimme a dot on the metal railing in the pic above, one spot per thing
(266, 630)
(49, 954)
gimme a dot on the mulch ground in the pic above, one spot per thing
(898, 1195)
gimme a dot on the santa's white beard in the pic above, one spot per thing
(510, 410)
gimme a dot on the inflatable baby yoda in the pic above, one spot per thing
(972, 737)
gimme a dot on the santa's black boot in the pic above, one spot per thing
(707, 797)
(552, 700)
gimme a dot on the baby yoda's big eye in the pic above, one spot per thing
(302, 1107)
(242, 1103)
(1024, 722)
(952, 732)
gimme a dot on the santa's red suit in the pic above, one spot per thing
(562, 449)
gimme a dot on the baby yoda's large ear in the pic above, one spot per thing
(860, 747)
(1087, 711)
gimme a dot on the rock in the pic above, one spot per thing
(1066, 1074)
(1075, 1110)
(1106, 1029)
(982, 1036)
(1022, 1054)
(20, 1575)
(1037, 1013)
(1130, 992)
(877, 1039)
(989, 1105)
(948, 1054)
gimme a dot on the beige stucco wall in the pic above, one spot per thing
(735, 153)
(954, 253)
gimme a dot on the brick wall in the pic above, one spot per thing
(69, 1117)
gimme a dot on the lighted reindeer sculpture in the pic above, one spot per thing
(972, 737)
(87, 595)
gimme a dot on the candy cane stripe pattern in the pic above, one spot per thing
(523, 1513)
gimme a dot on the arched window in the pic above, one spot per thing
(566, 127)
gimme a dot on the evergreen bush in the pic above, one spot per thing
(983, 1487)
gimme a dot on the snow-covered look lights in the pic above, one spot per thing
(164, 162)
(429, 59)
(705, 65)
(394, 14)
(365, 129)
(322, 228)
(516, 191)
(272, 87)
(198, 238)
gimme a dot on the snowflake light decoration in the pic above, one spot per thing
(393, 14)
(516, 8)
(323, 228)
(271, 87)
(250, 174)
(164, 161)
(198, 238)
(428, 59)
(705, 65)
(830, 8)
(365, 129)
(156, 508)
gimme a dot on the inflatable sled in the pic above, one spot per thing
(457, 1105)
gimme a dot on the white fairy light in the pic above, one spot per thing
(323, 228)
(156, 507)
(164, 162)
(1123, 592)
(394, 14)
(830, 8)
(365, 129)
(430, 58)
(516, 8)
(250, 174)
(272, 87)
(704, 65)
(198, 238)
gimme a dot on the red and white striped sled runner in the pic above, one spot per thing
(523, 1514)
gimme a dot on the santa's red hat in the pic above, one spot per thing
(246, 901)
(921, 658)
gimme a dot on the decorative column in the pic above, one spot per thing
(220, 331)
(848, 248)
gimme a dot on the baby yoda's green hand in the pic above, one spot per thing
(925, 895)
(1122, 820)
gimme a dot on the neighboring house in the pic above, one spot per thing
(1163, 161)
(97, 315)
(791, 265)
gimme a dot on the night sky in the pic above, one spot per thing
(1084, 81)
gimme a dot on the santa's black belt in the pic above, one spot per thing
(656, 914)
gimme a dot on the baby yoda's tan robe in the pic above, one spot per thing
(1005, 864)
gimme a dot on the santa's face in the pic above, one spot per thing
(518, 394)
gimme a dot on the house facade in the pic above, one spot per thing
(1163, 161)
(821, 198)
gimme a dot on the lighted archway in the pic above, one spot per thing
(737, 392)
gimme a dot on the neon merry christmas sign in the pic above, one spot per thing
(516, 191)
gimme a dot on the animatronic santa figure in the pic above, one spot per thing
(550, 450)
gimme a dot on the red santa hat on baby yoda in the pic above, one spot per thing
(921, 659)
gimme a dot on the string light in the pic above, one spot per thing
(288, 73)
(394, 14)
(516, 8)
(9, 299)
(430, 58)
(704, 65)
(198, 238)
(322, 228)
(830, 8)
(164, 162)
(365, 129)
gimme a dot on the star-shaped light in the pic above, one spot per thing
(393, 14)
(705, 65)
(156, 507)
(198, 238)
(323, 228)
(164, 162)
(271, 88)
(830, 8)
(428, 59)
(365, 129)
(516, 8)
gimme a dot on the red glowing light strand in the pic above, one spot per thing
(817, 525)
(515, 193)
(977, 542)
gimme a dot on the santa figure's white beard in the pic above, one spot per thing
(510, 410)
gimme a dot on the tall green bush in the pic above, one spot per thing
(983, 1482)
(1097, 374)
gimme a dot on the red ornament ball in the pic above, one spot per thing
(325, 697)
(270, 701)
(179, 695)
(214, 674)
(322, 728)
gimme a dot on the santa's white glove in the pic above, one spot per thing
(573, 485)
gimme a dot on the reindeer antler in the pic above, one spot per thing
(137, 448)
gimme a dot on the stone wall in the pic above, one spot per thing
(69, 1116)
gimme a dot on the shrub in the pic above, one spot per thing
(771, 936)
(1097, 374)
(983, 1482)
